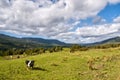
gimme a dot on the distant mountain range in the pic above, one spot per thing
(7, 42)
(13, 42)
(114, 40)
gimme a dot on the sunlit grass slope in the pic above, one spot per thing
(65, 66)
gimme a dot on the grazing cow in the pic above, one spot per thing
(30, 63)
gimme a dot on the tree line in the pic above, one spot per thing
(77, 47)
(30, 51)
(35, 51)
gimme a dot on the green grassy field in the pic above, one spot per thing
(65, 66)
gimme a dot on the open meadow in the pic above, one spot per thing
(59, 39)
(93, 64)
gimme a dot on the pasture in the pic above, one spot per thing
(105, 65)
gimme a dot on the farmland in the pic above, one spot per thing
(65, 66)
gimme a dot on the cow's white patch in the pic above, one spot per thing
(29, 63)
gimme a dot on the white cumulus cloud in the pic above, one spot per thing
(90, 34)
(117, 20)
(114, 1)
(49, 19)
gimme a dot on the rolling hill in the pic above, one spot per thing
(65, 66)
(13, 42)
(28, 42)
(109, 41)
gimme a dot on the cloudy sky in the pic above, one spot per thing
(71, 21)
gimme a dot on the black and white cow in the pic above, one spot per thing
(29, 63)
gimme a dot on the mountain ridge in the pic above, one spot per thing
(13, 42)
(7, 41)
(113, 40)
